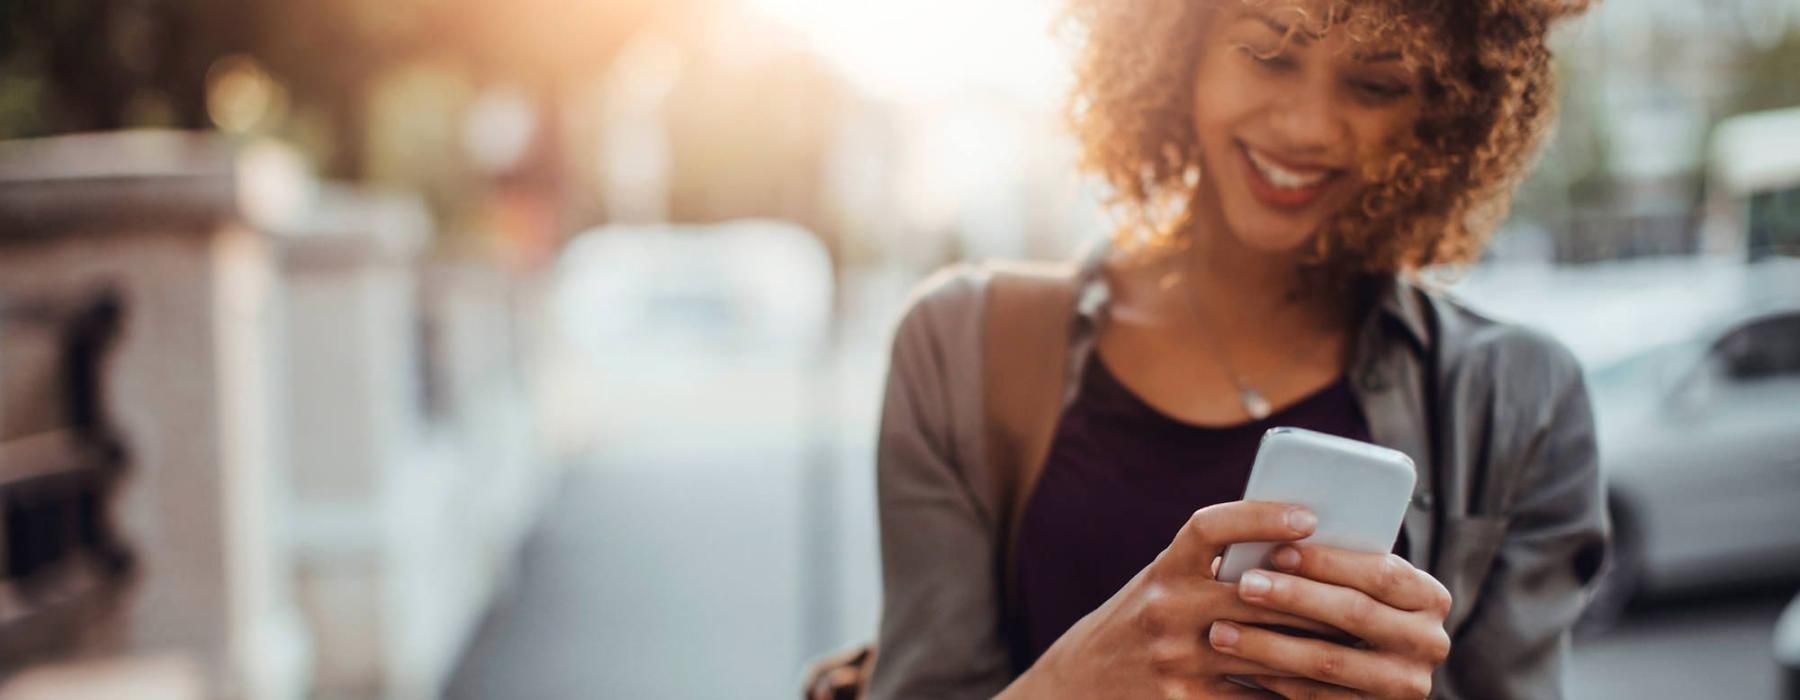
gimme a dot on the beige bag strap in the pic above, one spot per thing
(1025, 350)
(1024, 358)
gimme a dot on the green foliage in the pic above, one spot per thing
(1771, 77)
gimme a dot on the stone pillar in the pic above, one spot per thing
(414, 468)
(170, 221)
(352, 367)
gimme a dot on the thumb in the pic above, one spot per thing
(1209, 530)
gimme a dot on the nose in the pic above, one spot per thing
(1305, 121)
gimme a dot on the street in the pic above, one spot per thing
(705, 553)
(1708, 648)
(687, 580)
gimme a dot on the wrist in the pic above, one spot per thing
(1042, 680)
(1030, 685)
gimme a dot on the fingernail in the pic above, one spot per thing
(1302, 520)
(1254, 584)
(1286, 558)
(1223, 634)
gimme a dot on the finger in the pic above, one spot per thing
(1209, 687)
(1203, 660)
(1210, 529)
(1414, 634)
(1249, 688)
(1304, 689)
(1388, 578)
(1332, 664)
(1195, 604)
(1177, 614)
(1234, 608)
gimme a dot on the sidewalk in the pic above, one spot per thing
(673, 580)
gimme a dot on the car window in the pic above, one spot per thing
(1774, 223)
(1762, 350)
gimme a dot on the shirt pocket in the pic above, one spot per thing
(1470, 544)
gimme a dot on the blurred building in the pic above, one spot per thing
(1647, 81)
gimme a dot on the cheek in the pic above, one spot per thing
(1205, 116)
(1224, 98)
(1381, 134)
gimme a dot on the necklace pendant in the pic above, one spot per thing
(1254, 404)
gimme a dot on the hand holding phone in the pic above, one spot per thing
(1342, 575)
(1358, 491)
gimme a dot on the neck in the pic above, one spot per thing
(1249, 292)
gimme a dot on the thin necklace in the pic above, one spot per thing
(1255, 403)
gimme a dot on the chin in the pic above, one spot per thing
(1270, 233)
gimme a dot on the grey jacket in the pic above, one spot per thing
(1508, 511)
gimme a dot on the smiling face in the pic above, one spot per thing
(1285, 118)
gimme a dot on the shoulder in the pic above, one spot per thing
(1472, 338)
(1521, 368)
(950, 292)
(1514, 406)
(1030, 297)
(943, 309)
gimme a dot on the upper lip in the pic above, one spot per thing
(1291, 163)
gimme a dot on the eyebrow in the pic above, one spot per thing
(1302, 39)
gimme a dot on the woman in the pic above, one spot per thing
(1289, 165)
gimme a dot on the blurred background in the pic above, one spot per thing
(443, 348)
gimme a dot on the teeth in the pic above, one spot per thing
(1283, 177)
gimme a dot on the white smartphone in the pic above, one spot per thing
(1359, 492)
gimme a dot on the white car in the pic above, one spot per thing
(1700, 446)
(669, 332)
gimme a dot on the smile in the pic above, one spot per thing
(1284, 185)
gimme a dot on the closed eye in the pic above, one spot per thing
(1381, 90)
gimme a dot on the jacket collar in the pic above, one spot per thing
(1399, 300)
(1395, 298)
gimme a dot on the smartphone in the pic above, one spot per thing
(1359, 492)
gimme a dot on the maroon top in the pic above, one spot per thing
(1120, 480)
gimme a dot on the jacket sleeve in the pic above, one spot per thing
(1515, 643)
(940, 631)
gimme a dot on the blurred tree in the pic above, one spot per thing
(382, 90)
(1574, 170)
(751, 125)
(1771, 76)
(328, 54)
(78, 65)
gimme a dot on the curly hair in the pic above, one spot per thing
(1488, 96)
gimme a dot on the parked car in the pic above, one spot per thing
(1700, 446)
(668, 331)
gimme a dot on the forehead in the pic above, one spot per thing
(1364, 22)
